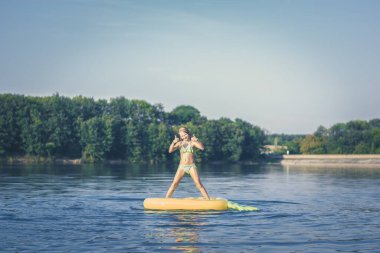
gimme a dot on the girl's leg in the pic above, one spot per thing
(194, 175)
(177, 178)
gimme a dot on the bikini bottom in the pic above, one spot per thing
(187, 167)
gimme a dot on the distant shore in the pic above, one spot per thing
(282, 159)
(331, 160)
(38, 160)
(43, 160)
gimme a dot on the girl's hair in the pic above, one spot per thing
(185, 130)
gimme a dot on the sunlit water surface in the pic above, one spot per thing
(100, 209)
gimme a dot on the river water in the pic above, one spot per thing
(100, 209)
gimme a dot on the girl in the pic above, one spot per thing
(186, 165)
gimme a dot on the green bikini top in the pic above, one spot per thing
(187, 149)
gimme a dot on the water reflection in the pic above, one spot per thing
(85, 170)
(180, 230)
(336, 170)
(185, 232)
(214, 170)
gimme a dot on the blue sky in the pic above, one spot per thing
(286, 66)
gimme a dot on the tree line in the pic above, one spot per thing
(353, 137)
(136, 131)
(131, 130)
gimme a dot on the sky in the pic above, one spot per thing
(287, 66)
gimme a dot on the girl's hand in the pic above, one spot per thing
(194, 138)
(176, 139)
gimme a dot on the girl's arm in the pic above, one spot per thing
(196, 143)
(174, 145)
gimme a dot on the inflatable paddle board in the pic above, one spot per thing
(185, 204)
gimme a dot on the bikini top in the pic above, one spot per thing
(187, 149)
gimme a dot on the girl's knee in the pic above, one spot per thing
(199, 185)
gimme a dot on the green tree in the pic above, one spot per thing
(144, 113)
(11, 115)
(375, 143)
(87, 108)
(159, 141)
(34, 133)
(312, 145)
(120, 107)
(321, 132)
(222, 140)
(362, 148)
(118, 148)
(183, 114)
(374, 123)
(61, 127)
(133, 142)
(356, 134)
(336, 140)
(96, 138)
(294, 146)
(253, 140)
(209, 134)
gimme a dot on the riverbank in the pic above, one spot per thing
(38, 160)
(331, 160)
(67, 161)
(282, 159)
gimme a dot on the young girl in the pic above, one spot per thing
(186, 165)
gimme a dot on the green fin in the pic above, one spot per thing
(238, 207)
